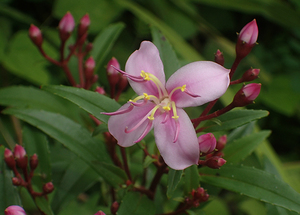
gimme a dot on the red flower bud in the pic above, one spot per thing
(207, 143)
(66, 26)
(100, 90)
(34, 161)
(250, 75)
(112, 73)
(9, 158)
(83, 25)
(14, 210)
(100, 213)
(114, 207)
(246, 95)
(219, 58)
(20, 156)
(215, 162)
(35, 35)
(48, 187)
(16, 181)
(221, 143)
(89, 68)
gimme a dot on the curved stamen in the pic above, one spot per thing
(158, 84)
(175, 116)
(167, 116)
(183, 89)
(145, 132)
(119, 111)
(138, 104)
(177, 130)
(133, 78)
(190, 93)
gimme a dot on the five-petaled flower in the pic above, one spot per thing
(160, 104)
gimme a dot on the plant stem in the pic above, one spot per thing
(125, 163)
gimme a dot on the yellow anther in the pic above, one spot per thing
(145, 75)
(183, 88)
(146, 96)
(150, 117)
(175, 117)
(166, 108)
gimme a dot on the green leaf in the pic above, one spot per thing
(92, 102)
(191, 179)
(166, 52)
(43, 205)
(253, 182)
(8, 192)
(136, 204)
(148, 160)
(243, 147)
(100, 129)
(235, 118)
(103, 43)
(74, 137)
(174, 177)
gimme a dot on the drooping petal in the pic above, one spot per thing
(118, 123)
(146, 59)
(206, 79)
(185, 151)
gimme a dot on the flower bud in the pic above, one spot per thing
(83, 25)
(246, 95)
(207, 143)
(215, 162)
(219, 58)
(114, 207)
(9, 158)
(89, 68)
(20, 156)
(221, 143)
(48, 187)
(88, 47)
(250, 75)
(35, 35)
(34, 161)
(100, 90)
(247, 39)
(100, 213)
(14, 210)
(66, 26)
(16, 181)
(112, 73)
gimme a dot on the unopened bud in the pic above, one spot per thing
(88, 47)
(89, 68)
(250, 75)
(48, 187)
(246, 95)
(20, 156)
(221, 143)
(215, 162)
(114, 207)
(123, 83)
(100, 213)
(14, 210)
(83, 25)
(9, 158)
(66, 26)
(247, 39)
(112, 73)
(219, 58)
(34, 161)
(207, 143)
(16, 181)
(95, 79)
(100, 90)
(35, 35)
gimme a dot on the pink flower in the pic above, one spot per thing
(249, 33)
(159, 104)
(14, 210)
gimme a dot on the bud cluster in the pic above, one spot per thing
(199, 195)
(19, 159)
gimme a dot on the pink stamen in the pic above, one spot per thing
(133, 78)
(119, 111)
(147, 129)
(138, 124)
(177, 130)
(167, 116)
(139, 104)
(190, 93)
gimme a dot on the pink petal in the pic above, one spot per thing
(147, 59)
(185, 151)
(118, 123)
(206, 79)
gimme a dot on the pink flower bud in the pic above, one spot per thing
(249, 33)
(9, 158)
(48, 187)
(246, 95)
(16, 181)
(250, 75)
(89, 68)
(114, 207)
(35, 35)
(207, 143)
(14, 210)
(100, 213)
(20, 156)
(34, 161)
(83, 25)
(247, 39)
(66, 26)
(215, 162)
(221, 143)
(100, 90)
(219, 58)
(111, 65)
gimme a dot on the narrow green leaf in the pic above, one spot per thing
(174, 177)
(191, 179)
(92, 102)
(235, 118)
(166, 52)
(43, 205)
(243, 147)
(8, 192)
(148, 160)
(253, 182)
(74, 137)
(104, 42)
(136, 204)
(100, 129)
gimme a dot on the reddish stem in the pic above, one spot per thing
(125, 163)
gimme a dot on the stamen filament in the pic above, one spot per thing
(177, 130)
(133, 78)
(145, 132)
(175, 116)
(119, 111)
(138, 104)
(138, 124)
(158, 84)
